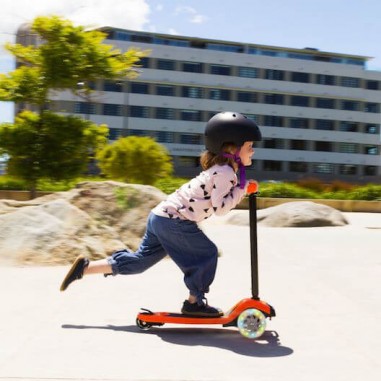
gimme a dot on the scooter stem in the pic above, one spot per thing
(253, 245)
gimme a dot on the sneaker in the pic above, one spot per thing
(201, 310)
(75, 272)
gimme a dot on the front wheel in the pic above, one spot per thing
(251, 323)
(143, 325)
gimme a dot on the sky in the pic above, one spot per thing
(340, 26)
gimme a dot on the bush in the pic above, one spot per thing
(368, 192)
(285, 190)
(170, 184)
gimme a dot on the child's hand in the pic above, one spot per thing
(252, 187)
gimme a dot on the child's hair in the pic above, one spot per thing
(208, 159)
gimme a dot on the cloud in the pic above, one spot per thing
(195, 17)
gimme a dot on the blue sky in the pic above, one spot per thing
(342, 26)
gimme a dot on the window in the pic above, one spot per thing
(247, 72)
(348, 126)
(246, 96)
(192, 92)
(165, 90)
(347, 169)
(297, 100)
(272, 165)
(193, 67)
(372, 107)
(276, 75)
(112, 86)
(323, 124)
(139, 112)
(370, 170)
(348, 148)
(219, 94)
(145, 62)
(137, 132)
(297, 166)
(300, 77)
(323, 168)
(273, 121)
(299, 145)
(323, 79)
(350, 105)
(112, 109)
(190, 139)
(323, 146)
(164, 113)
(299, 123)
(275, 99)
(273, 143)
(371, 129)
(349, 82)
(188, 161)
(325, 103)
(371, 150)
(165, 64)
(139, 88)
(84, 108)
(192, 115)
(372, 85)
(114, 133)
(220, 69)
(164, 136)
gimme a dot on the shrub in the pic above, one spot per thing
(285, 190)
(170, 184)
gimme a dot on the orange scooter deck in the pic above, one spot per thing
(160, 318)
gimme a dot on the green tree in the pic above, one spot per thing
(135, 159)
(40, 145)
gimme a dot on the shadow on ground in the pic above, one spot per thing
(268, 345)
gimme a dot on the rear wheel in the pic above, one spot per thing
(251, 323)
(143, 325)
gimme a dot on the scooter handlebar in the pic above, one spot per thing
(253, 187)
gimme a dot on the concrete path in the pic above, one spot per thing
(324, 284)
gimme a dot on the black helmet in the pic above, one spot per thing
(230, 127)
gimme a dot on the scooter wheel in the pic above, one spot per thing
(251, 323)
(143, 325)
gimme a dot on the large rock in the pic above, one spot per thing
(94, 219)
(293, 214)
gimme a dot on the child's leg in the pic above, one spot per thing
(98, 267)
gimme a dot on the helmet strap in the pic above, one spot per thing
(241, 167)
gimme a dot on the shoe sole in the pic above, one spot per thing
(69, 274)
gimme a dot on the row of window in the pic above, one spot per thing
(312, 55)
(203, 116)
(253, 72)
(252, 97)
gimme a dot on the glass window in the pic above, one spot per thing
(349, 82)
(112, 86)
(164, 113)
(371, 150)
(299, 145)
(114, 133)
(372, 85)
(297, 100)
(188, 161)
(165, 64)
(192, 115)
(193, 67)
(139, 88)
(139, 112)
(165, 90)
(275, 99)
(276, 75)
(370, 170)
(246, 96)
(273, 143)
(323, 168)
(219, 94)
(372, 107)
(372, 129)
(274, 121)
(300, 77)
(298, 123)
(350, 105)
(297, 166)
(348, 126)
(348, 147)
(325, 103)
(192, 92)
(323, 79)
(247, 72)
(84, 108)
(145, 62)
(134, 132)
(272, 165)
(220, 69)
(112, 109)
(164, 136)
(323, 146)
(323, 124)
(347, 169)
(190, 139)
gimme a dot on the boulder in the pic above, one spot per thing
(294, 214)
(94, 219)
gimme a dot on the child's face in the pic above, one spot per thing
(246, 152)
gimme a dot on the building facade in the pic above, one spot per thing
(319, 112)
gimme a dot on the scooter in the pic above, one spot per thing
(248, 315)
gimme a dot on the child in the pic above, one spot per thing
(172, 225)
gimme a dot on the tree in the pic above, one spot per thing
(40, 144)
(135, 159)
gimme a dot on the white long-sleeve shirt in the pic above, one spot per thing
(213, 191)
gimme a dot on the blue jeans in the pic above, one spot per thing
(192, 251)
